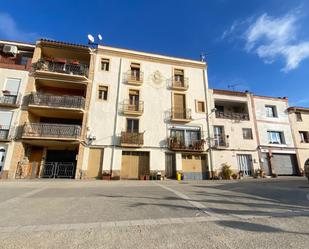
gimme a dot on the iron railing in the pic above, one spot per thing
(4, 132)
(232, 115)
(181, 145)
(65, 101)
(220, 142)
(51, 130)
(62, 67)
(137, 106)
(179, 83)
(181, 113)
(135, 76)
(9, 98)
(133, 138)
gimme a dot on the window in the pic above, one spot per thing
(219, 108)
(200, 106)
(5, 122)
(135, 71)
(271, 111)
(275, 137)
(304, 136)
(179, 76)
(132, 125)
(24, 60)
(103, 91)
(247, 133)
(219, 137)
(187, 137)
(105, 64)
(298, 116)
(12, 86)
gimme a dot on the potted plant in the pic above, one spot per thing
(226, 172)
(106, 176)
(6, 92)
(75, 62)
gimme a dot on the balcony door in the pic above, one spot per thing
(132, 125)
(5, 123)
(179, 106)
(133, 100)
(219, 135)
(135, 71)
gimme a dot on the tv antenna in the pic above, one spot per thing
(233, 86)
(91, 40)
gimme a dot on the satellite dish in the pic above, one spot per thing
(90, 38)
(100, 37)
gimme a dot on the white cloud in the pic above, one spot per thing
(9, 30)
(272, 38)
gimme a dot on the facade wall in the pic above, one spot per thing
(106, 120)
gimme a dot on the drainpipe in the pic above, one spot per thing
(116, 117)
(208, 113)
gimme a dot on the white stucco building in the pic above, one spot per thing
(147, 115)
(15, 61)
(274, 136)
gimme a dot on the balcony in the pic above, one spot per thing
(220, 142)
(61, 67)
(14, 63)
(54, 101)
(180, 145)
(132, 139)
(51, 131)
(135, 109)
(178, 83)
(4, 133)
(232, 115)
(181, 115)
(10, 99)
(134, 77)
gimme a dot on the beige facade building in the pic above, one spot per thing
(51, 135)
(147, 115)
(15, 62)
(299, 119)
(232, 135)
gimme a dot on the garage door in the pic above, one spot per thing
(284, 164)
(95, 161)
(134, 164)
(194, 167)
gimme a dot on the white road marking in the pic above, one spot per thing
(196, 204)
(108, 224)
(19, 197)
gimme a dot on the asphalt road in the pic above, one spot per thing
(268, 213)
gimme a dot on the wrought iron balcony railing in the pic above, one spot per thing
(179, 83)
(181, 145)
(132, 138)
(232, 115)
(130, 107)
(135, 76)
(62, 66)
(220, 142)
(61, 131)
(9, 98)
(66, 101)
(4, 132)
(181, 113)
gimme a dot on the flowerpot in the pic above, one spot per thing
(106, 177)
(142, 177)
(147, 177)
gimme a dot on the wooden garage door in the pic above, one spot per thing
(284, 164)
(95, 163)
(134, 164)
(194, 163)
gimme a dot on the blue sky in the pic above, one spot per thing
(260, 46)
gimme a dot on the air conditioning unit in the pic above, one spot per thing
(9, 49)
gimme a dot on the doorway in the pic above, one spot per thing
(245, 164)
(170, 166)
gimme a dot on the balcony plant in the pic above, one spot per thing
(74, 62)
(60, 60)
(6, 92)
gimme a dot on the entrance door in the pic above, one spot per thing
(2, 157)
(266, 165)
(284, 164)
(134, 164)
(60, 164)
(35, 159)
(179, 106)
(194, 167)
(245, 164)
(170, 166)
(95, 163)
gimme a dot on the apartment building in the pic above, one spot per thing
(232, 135)
(51, 136)
(274, 136)
(147, 116)
(299, 119)
(15, 62)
